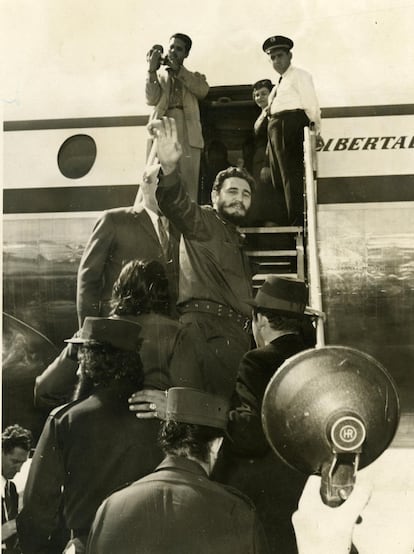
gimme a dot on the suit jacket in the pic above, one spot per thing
(87, 449)
(248, 464)
(119, 236)
(195, 88)
(12, 509)
(255, 371)
(177, 510)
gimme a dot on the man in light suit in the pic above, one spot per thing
(121, 235)
(174, 91)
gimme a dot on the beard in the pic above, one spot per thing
(237, 218)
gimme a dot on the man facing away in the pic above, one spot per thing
(215, 278)
(93, 445)
(15, 448)
(119, 236)
(292, 105)
(176, 508)
(174, 91)
(247, 462)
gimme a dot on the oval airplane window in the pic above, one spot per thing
(76, 156)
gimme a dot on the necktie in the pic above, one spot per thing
(278, 84)
(273, 94)
(163, 236)
(9, 508)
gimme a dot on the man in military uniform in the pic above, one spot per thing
(176, 508)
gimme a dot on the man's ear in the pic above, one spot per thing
(261, 320)
(214, 195)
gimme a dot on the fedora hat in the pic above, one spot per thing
(285, 296)
(188, 405)
(116, 331)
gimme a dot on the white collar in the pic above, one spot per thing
(154, 217)
(3, 486)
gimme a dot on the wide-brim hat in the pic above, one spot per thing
(285, 296)
(188, 405)
(277, 41)
(118, 332)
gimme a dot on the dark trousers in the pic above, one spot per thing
(212, 364)
(285, 133)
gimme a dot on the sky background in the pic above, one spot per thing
(78, 58)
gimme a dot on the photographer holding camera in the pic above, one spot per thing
(174, 91)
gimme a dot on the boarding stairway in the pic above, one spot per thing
(275, 251)
(292, 252)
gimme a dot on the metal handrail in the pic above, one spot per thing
(314, 278)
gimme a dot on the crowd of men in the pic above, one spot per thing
(159, 393)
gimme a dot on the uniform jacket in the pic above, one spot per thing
(88, 449)
(176, 510)
(119, 236)
(195, 87)
(213, 265)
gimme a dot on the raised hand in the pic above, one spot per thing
(169, 150)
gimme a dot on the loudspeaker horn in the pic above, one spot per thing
(330, 411)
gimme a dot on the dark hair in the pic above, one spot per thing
(187, 439)
(186, 40)
(15, 436)
(141, 288)
(279, 321)
(102, 364)
(263, 83)
(233, 172)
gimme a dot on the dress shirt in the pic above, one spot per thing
(3, 497)
(154, 219)
(176, 92)
(296, 91)
(3, 486)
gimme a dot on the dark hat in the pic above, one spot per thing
(263, 83)
(278, 294)
(188, 405)
(116, 331)
(277, 42)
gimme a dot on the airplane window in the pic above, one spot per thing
(76, 156)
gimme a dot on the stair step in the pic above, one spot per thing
(273, 264)
(260, 278)
(264, 253)
(267, 230)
